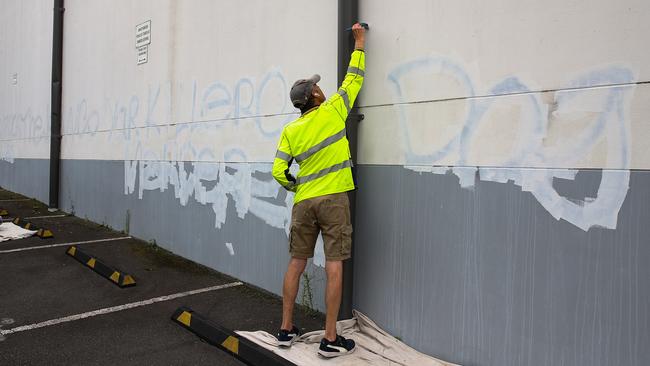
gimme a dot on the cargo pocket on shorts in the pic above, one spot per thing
(292, 237)
(346, 241)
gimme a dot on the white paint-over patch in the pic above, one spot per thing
(217, 184)
(231, 250)
(466, 176)
(600, 211)
(428, 169)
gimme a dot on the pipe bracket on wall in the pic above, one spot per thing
(357, 117)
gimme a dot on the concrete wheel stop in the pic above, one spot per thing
(227, 340)
(40, 232)
(117, 277)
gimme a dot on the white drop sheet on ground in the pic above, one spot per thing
(374, 346)
(11, 231)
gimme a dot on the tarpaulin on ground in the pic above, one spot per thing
(374, 346)
(10, 231)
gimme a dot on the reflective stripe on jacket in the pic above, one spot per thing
(317, 142)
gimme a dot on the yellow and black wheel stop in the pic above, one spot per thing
(117, 277)
(44, 234)
(40, 232)
(229, 341)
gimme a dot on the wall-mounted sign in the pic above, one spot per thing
(143, 54)
(142, 41)
(143, 34)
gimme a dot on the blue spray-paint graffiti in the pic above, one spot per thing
(24, 130)
(27, 125)
(609, 121)
(217, 103)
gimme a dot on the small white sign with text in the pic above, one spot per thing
(143, 34)
(142, 41)
(143, 54)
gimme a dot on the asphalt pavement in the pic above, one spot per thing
(60, 312)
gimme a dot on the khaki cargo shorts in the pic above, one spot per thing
(330, 215)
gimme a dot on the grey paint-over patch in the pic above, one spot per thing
(29, 177)
(488, 277)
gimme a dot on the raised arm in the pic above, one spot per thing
(347, 93)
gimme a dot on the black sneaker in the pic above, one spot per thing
(287, 337)
(339, 347)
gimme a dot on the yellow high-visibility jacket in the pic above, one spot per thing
(317, 141)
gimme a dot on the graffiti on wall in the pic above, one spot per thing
(608, 123)
(7, 153)
(25, 129)
(248, 186)
(136, 115)
(194, 171)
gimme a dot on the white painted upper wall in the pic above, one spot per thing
(458, 84)
(25, 84)
(216, 84)
(215, 87)
(476, 45)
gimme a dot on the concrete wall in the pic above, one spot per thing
(25, 89)
(503, 180)
(181, 147)
(502, 164)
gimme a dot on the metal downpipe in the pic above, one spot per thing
(55, 131)
(348, 13)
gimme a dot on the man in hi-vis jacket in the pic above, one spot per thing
(317, 142)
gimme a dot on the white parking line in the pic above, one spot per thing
(64, 244)
(116, 308)
(44, 217)
(8, 219)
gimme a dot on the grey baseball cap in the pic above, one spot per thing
(301, 90)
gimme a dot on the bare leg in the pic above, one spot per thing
(333, 293)
(290, 290)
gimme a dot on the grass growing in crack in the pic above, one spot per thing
(307, 298)
(105, 225)
(153, 246)
(159, 258)
(127, 224)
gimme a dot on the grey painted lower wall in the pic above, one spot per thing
(95, 190)
(482, 276)
(29, 177)
(486, 276)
